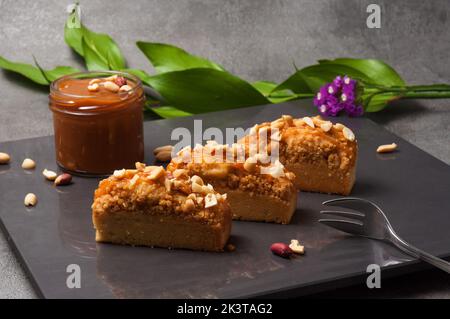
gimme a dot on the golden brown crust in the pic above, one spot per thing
(312, 142)
(235, 175)
(160, 194)
(301, 142)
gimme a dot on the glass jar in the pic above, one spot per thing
(97, 131)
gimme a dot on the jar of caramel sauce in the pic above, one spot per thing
(98, 121)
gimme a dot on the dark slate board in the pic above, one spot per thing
(411, 186)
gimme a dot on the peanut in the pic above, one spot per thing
(156, 173)
(196, 188)
(94, 81)
(125, 88)
(111, 78)
(121, 81)
(250, 164)
(308, 121)
(188, 206)
(133, 181)
(111, 86)
(197, 180)
(30, 200)
(326, 126)
(163, 156)
(93, 87)
(281, 249)
(49, 175)
(162, 148)
(168, 184)
(4, 158)
(179, 172)
(387, 148)
(296, 247)
(119, 173)
(348, 134)
(288, 119)
(210, 200)
(28, 163)
(63, 179)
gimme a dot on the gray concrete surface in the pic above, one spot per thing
(256, 39)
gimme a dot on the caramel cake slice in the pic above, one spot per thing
(255, 191)
(321, 155)
(149, 207)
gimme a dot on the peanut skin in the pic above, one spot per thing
(281, 249)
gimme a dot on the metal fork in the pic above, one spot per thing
(368, 220)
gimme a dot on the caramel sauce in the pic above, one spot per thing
(97, 132)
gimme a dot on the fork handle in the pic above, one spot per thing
(416, 252)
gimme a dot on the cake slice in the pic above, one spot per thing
(322, 155)
(147, 207)
(256, 189)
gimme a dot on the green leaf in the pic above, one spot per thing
(264, 87)
(168, 112)
(59, 71)
(376, 70)
(378, 102)
(328, 72)
(27, 70)
(142, 75)
(34, 73)
(205, 90)
(296, 83)
(92, 59)
(101, 49)
(280, 98)
(168, 58)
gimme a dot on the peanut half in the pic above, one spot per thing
(30, 200)
(387, 148)
(93, 87)
(164, 156)
(308, 121)
(296, 247)
(163, 153)
(348, 134)
(4, 158)
(326, 126)
(49, 175)
(125, 88)
(28, 163)
(111, 86)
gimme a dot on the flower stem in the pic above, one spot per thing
(435, 91)
(425, 95)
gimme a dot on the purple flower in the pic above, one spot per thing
(339, 95)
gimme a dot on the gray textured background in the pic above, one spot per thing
(257, 40)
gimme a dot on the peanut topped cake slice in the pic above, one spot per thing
(147, 206)
(321, 155)
(256, 189)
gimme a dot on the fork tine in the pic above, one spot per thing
(348, 226)
(355, 215)
(354, 203)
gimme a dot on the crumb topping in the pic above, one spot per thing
(312, 139)
(251, 175)
(152, 190)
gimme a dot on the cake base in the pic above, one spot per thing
(254, 207)
(141, 229)
(314, 178)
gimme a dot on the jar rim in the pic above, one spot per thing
(54, 84)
